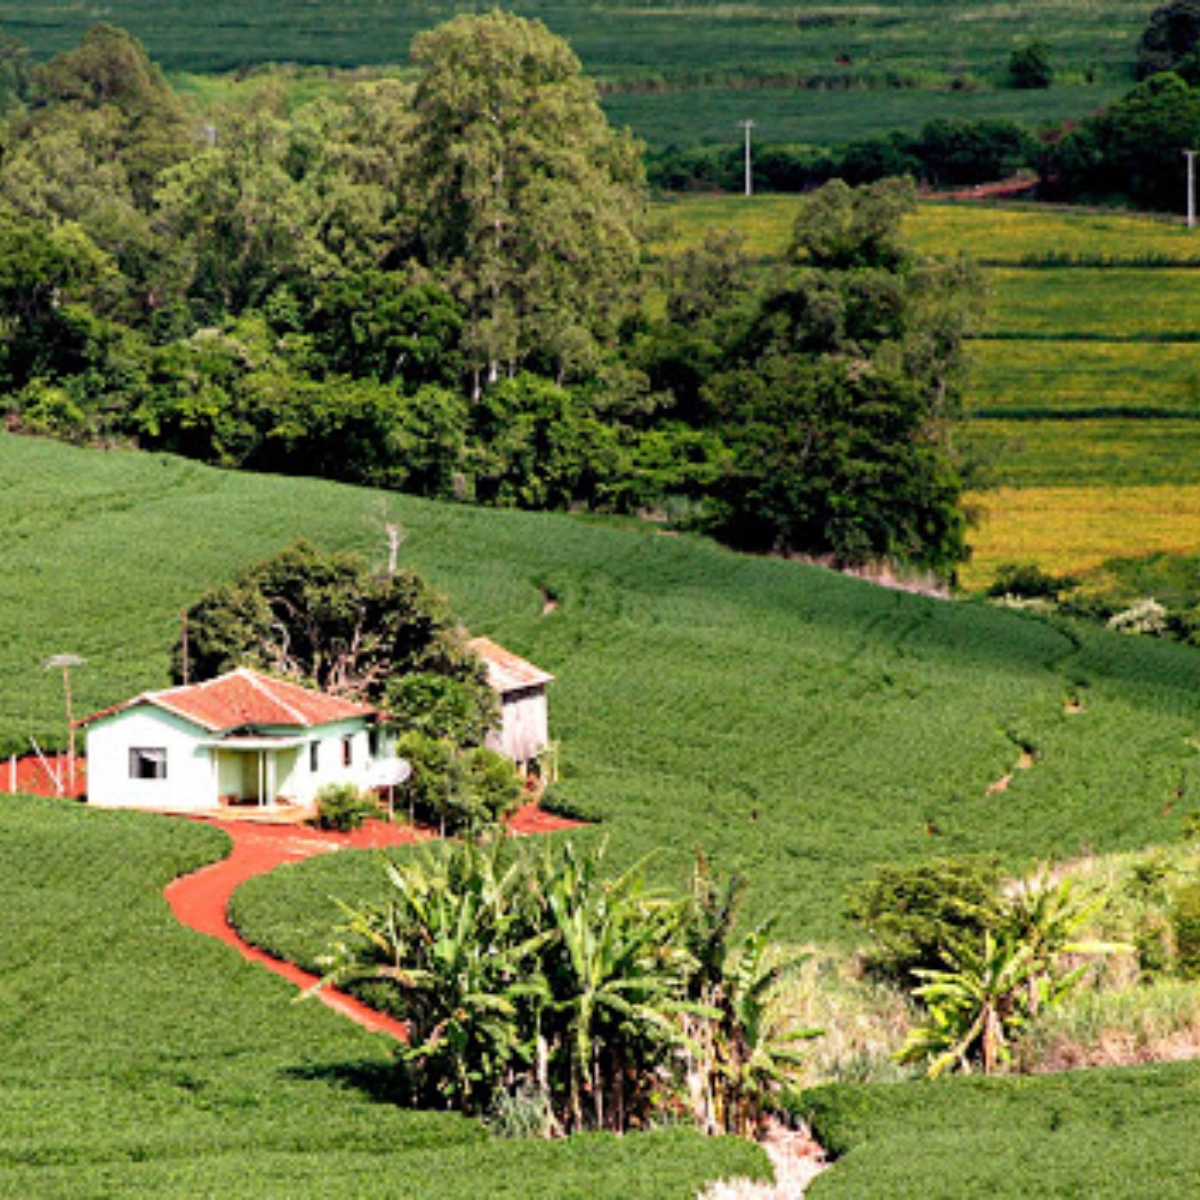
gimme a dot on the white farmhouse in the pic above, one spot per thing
(240, 739)
(524, 722)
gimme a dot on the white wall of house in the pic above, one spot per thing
(330, 741)
(524, 725)
(120, 748)
(124, 747)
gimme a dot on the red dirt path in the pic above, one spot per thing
(201, 900)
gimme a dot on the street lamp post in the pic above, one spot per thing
(748, 126)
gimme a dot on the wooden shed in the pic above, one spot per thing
(524, 719)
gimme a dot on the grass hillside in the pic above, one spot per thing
(685, 71)
(796, 724)
(1084, 395)
(1129, 1133)
(138, 1058)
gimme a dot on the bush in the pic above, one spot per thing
(916, 915)
(342, 807)
(1029, 581)
(458, 791)
(1030, 66)
(1185, 921)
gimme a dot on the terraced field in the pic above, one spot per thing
(1085, 393)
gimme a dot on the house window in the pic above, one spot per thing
(147, 763)
(347, 751)
(314, 756)
(373, 742)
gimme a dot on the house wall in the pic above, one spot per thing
(190, 783)
(198, 775)
(524, 726)
(301, 784)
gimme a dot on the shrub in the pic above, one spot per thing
(459, 791)
(342, 807)
(1185, 922)
(1029, 581)
(917, 914)
(1030, 66)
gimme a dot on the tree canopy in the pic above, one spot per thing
(522, 194)
(326, 620)
(442, 287)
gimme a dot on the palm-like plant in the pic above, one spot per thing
(741, 1054)
(987, 996)
(616, 976)
(452, 947)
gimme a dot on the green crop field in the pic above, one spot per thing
(1138, 304)
(795, 723)
(138, 1058)
(683, 72)
(826, 116)
(1130, 1133)
(1022, 379)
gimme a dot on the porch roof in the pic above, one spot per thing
(256, 743)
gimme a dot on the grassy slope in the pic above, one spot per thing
(1085, 389)
(138, 1058)
(795, 723)
(1127, 1133)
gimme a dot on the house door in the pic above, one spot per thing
(253, 782)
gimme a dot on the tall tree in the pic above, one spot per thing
(838, 401)
(522, 194)
(325, 619)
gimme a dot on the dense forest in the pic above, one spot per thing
(444, 288)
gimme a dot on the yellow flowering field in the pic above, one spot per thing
(1067, 530)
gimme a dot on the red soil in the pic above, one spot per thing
(201, 900)
(40, 779)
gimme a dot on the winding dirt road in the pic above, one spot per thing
(201, 900)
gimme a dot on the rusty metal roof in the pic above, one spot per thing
(508, 672)
(245, 698)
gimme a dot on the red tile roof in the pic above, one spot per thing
(506, 671)
(246, 698)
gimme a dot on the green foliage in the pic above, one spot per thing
(522, 195)
(533, 983)
(837, 397)
(989, 992)
(1029, 581)
(1170, 36)
(208, 1078)
(327, 620)
(342, 807)
(1185, 924)
(1031, 66)
(454, 789)
(918, 915)
(439, 706)
(1131, 149)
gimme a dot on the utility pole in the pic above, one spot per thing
(65, 662)
(747, 126)
(1190, 155)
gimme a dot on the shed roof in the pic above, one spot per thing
(507, 672)
(244, 698)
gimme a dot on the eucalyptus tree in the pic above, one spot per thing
(521, 196)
